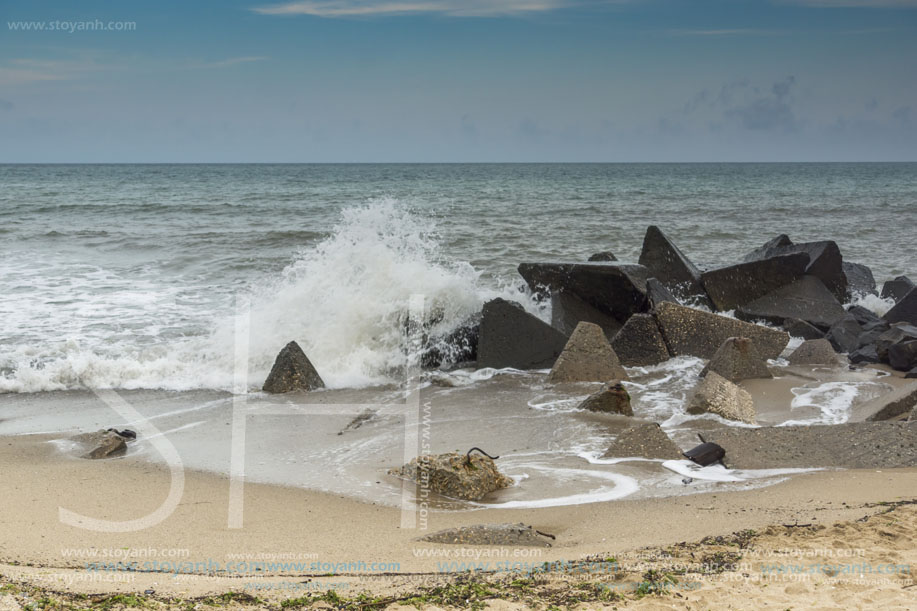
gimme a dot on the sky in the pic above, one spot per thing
(458, 81)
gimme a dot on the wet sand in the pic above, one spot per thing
(345, 441)
(317, 498)
(343, 535)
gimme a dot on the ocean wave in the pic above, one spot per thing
(344, 300)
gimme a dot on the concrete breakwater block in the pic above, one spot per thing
(887, 407)
(856, 445)
(696, 333)
(490, 534)
(511, 337)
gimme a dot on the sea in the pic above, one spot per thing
(130, 276)
(134, 278)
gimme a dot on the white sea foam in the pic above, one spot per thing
(623, 486)
(833, 399)
(343, 300)
(873, 303)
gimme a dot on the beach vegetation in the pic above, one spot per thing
(655, 582)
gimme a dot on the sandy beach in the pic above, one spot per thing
(352, 547)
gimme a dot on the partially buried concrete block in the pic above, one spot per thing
(460, 476)
(104, 444)
(613, 398)
(587, 357)
(696, 333)
(639, 343)
(859, 445)
(292, 370)
(646, 440)
(738, 359)
(890, 406)
(813, 352)
(490, 534)
(717, 395)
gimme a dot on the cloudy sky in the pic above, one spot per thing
(458, 80)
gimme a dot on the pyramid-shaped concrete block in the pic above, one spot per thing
(669, 265)
(587, 357)
(738, 359)
(717, 395)
(292, 370)
(814, 352)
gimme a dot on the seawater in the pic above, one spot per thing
(131, 276)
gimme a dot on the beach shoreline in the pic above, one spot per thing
(344, 533)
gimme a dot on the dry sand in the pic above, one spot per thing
(295, 525)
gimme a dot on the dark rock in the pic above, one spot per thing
(869, 338)
(905, 310)
(692, 332)
(868, 319)
(761, 253)
(825, 262)
(615, 289)
(800, 328)
(891, 405)
(844, 335)
(643, 441)
(669, 265)
(107, 444)
(896, 289)
(456, 347)
(455, 475)
(605, 255)
(864, 354)
(805, 299)
(736, 285)
(587, 357)
(613, 398)
(511, 337)
(910, 375)
(903, 356)
(896, 334)
(639, 343)
(861, 445)
(568, 310)
(656, 293)
(717, 395)
(490, 535)
(813, 352)
(292, 370)
(736, 360)
(860, 280)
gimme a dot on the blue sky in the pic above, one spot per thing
(459, 80)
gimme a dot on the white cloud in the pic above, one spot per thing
(18, 71)
(371, 8)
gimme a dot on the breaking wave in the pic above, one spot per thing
(344, 300)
